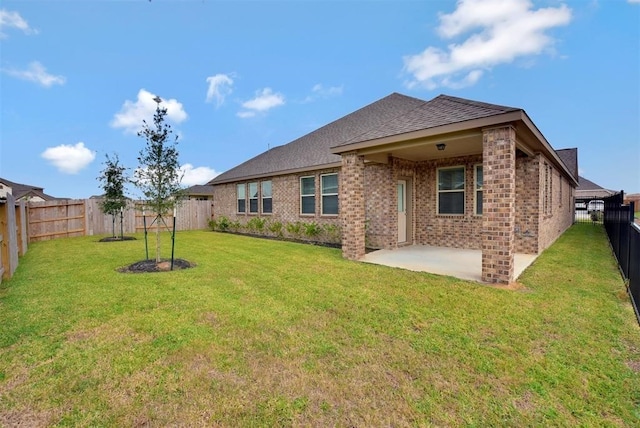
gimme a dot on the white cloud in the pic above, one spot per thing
(245, 114)
(196, 175)
(634, 1)
(132, 113)
(69, 159)
(500, 31)
(265, 100)
(319, 91)
(38, 74)
(219, 88)
(10, 19)
(331, 91)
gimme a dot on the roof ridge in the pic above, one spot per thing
(467, 101)
(423, 102)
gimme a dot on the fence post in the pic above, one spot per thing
(9, 237)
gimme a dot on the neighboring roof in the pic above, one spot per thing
(199, 189)
(570, 159)
(21, 190)
(313, 149)
(587, 188)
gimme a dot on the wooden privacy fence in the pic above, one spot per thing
(13, 235)
(84, 217)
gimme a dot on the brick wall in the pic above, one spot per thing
(528, 199)
(380, 206)
(352, 203)
(286, 201)
(498, 219)
(457, 231)
(429, 228)
(561, 207)
(534, 231)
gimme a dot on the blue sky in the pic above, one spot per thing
(77, 78)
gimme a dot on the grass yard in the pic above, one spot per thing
(268, 333)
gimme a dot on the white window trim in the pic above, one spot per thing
(262, 198)
(257, 198)
(476, 190)
(464, 189)
(307, 195)
(329, 194)
(244, 185)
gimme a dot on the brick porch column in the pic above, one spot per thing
(352, 206)
(498, 204)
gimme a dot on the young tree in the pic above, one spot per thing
(113, 181)
(158, 174)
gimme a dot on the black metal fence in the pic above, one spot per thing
(589, 210)
(624, 236)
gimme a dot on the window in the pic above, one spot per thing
(478, 189)
(560, 188)
(548, 189)
(242, 201)
(307, 195)
(329, 194)
(451, 190)
(267, 201)
(253, 197)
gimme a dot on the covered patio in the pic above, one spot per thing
(457, 262)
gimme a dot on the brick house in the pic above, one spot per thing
(447, 172)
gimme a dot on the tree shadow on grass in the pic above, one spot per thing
(117, 239)
(144, 266)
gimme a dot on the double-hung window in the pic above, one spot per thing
(253, 197)
(478, 189)
(267, 200)
(241, 196)
(308, 195)
(329, 194)
(451, 190)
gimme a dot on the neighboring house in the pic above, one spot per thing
(23, 192)
(635, 198)
(200, 192)
(447, 172)
(588, 190)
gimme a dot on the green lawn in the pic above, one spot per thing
(268, 333)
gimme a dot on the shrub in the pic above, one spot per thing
(235, 225)
(276, 228)
(256, 224)
(221, 225)
(333, 232)
(294, 229)
(312, 229)
(213, 224)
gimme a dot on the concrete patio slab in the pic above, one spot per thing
(456, 262)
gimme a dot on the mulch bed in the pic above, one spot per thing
(144, 266)
(117, 239)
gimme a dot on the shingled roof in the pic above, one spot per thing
(395, 114)
(570, 159)
(587, 189)
(22, 190)
(442, 110)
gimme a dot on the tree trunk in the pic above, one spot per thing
(158, 239)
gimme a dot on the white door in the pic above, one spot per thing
(402, 211)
